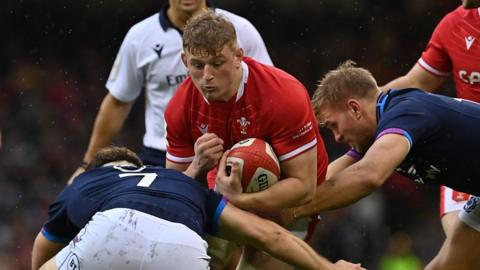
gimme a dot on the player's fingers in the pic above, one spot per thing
(223, 164)
(215, 144)
(235, 170)
(214, 154)
(235, 176)
(207, 137)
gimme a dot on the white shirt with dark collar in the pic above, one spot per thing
(150, 58)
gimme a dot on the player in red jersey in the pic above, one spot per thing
(453, 51)
(228, 98)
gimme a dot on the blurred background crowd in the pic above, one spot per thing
(56, 56)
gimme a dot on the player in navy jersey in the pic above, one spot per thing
(123, 215)
(453, 51)
(149, 59)
(427, 137)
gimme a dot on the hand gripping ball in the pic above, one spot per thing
(259, 166)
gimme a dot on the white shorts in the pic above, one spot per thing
(470, 213)
(128, 239)
(451, 200)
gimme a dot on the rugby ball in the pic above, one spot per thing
(259, 166)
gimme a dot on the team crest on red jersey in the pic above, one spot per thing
(244, 123)
(203, 128)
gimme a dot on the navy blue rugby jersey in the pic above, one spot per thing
(444, 136)
(164, 193)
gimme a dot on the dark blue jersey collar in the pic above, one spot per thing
(382, 100)
(165, 21)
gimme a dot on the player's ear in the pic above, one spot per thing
(239, 53)
(184, 59)
(354, 108)
(238, 57)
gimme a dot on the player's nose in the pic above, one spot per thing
(208, 72)
(338, 137)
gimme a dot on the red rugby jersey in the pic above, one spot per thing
(271, 105)
(454, 49)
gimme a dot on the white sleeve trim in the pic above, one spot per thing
(298, 150)
(179, 159)
(431, 69)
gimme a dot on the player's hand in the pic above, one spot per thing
(228, 179)
(208, 151)
(344, 265)
(78, 171)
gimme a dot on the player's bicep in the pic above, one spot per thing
(384, 156)
(302, 167)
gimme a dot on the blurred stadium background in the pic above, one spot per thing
(56, 56)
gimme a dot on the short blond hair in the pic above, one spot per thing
(345, 81)
(208, 33)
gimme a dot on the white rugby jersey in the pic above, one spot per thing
(150, 58)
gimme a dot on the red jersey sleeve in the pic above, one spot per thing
(293, 123)
(435, 58)
(179, 139)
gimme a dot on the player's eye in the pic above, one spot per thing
(217, 64)
(197, 65)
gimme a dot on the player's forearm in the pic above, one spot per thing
(339, 164)
(417, 77)
(339, 191)
(288, 192)
(198, 174)
(291, 249)
(109, 121)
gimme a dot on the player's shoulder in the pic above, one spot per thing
(458, 15)
(145, 27)
(275, 87)
(275, 78)
(411, 101)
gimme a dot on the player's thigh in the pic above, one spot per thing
(459, 252)
(461, 249)
(451, 201)
(49, 265)
(448, 222)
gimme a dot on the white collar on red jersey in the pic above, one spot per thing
(241, 87)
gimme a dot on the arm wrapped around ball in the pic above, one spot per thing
(258, 176)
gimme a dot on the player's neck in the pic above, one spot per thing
(237, 80)
(179, 18)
